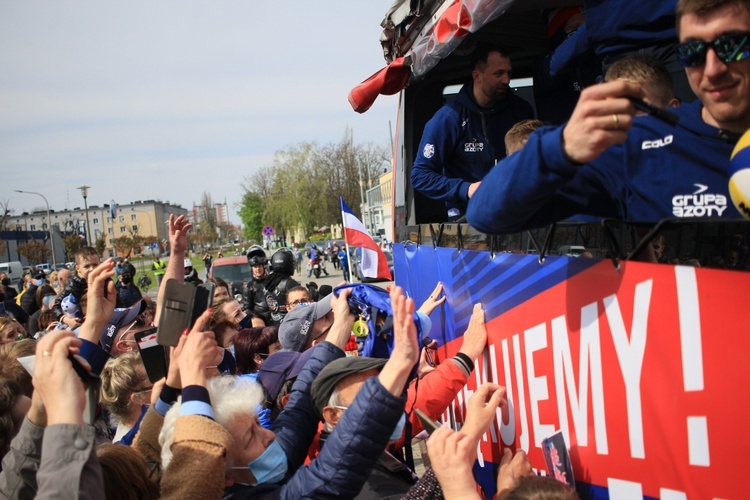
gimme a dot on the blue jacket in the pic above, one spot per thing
(461, 143)
(660, 172)
(345, 463)
(615, 27)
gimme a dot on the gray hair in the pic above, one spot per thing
(230, 396)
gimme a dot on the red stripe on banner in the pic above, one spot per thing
(356, 238)
(644, 370)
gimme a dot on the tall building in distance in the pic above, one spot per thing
(145, 218)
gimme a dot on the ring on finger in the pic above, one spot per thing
(46, 354)
(616, 119)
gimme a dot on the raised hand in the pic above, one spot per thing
(481, 409)
(512, 468)
(60, 389)
(178, 229)
(475, 337)
(435, 299)
(601, 119)
(452, 456)
(101, 300)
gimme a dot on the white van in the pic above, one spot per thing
(571, 250)
(14, 270)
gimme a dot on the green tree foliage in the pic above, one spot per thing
(72, 243)
(100, 244)
(303, 184)
(251, 214)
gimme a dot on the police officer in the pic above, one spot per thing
(266, 294)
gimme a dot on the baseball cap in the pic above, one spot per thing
(280, 367)
(335, 372)
(120, 318)
(295, 329)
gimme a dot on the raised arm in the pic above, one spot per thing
(553, 177)
(178, 243)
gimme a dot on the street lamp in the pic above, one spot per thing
(85, 192)
(49, 225)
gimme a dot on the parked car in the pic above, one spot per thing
(357, 267)
(234, 270)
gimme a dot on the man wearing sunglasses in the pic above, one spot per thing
(605, 163)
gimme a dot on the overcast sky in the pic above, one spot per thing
(163, 100)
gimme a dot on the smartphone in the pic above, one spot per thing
(152, 354)
(176, 311)
(204, 295)
(429, 425)
(82, 372)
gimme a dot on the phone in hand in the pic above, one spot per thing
(204, 295)
(183, 304)
(152, 354)
(429, 425)
(80, 370)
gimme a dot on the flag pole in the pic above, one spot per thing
(346, 243)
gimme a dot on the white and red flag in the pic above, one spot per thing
(374, 263)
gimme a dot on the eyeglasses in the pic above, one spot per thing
(728, 48)
(300, 301)
(144, 391)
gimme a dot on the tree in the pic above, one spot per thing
(251, 214)
(100, 244)
(35, 251)
(71, 243)
(123, 245)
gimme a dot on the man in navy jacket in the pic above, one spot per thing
(605, 163)
(464, 139)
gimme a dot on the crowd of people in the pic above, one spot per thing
(267, 397)
(245, 409)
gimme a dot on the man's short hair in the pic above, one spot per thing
(519, 133)
(482, 52)
(703, 6)
(643, 68)
(85, 252)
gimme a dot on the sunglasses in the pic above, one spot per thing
(728, 48)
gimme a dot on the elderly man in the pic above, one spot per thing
(207, 447)
(340, 382)
(605, 163)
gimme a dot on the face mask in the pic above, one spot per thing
(231, 349)
(396, 434)
(271, 465)
(247, 322)
(6, 281)
(39, 282)
(127, 279)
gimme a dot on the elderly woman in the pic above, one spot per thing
(125, 391)
(211, 438)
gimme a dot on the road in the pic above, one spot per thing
(335, 279)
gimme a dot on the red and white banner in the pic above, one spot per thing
(644, 370)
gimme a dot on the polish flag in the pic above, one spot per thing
(374, 263)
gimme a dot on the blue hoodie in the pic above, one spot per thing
(660, 172)
(461, 143)
(616, 27)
